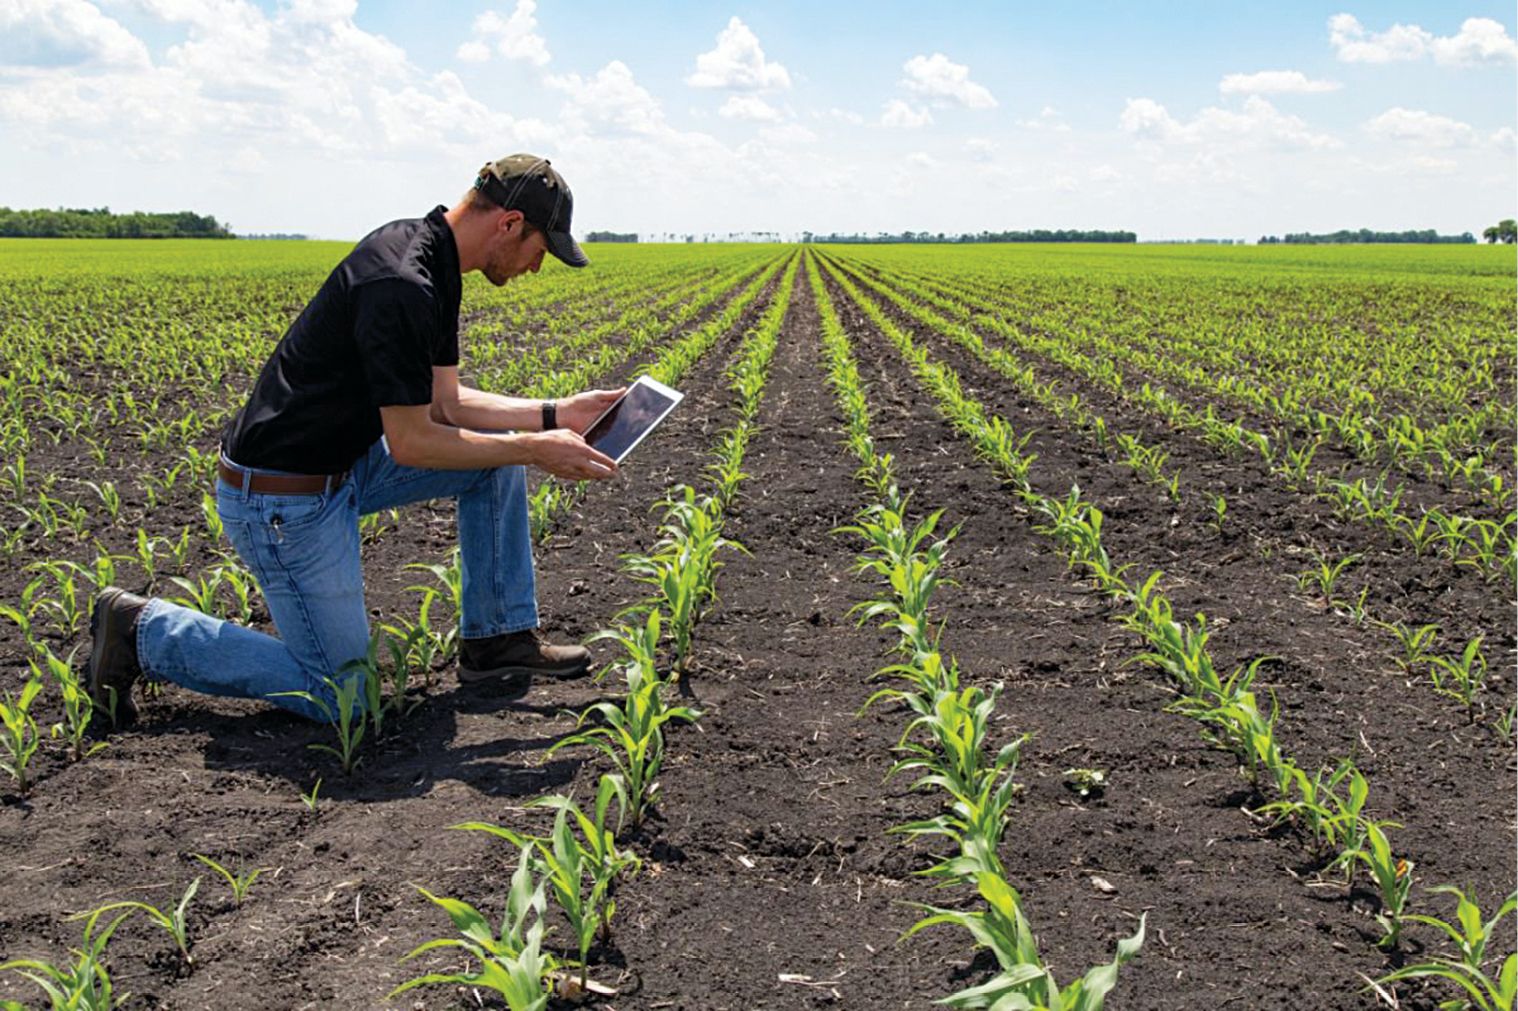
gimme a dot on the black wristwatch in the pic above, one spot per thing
(550, 415)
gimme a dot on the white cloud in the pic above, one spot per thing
(841, 115)
(1103, 174)
(940, 79)
(751, 108)
(473, 51)
(899, 114)
(610, 101)
(1065, 183)
(787, 135)
(1258, 124)
(922, 160)
(1480, 40)
(980, 149)
(738, 63)
(1421, 127)
(1047, 119)
(515, 36)
(1503, 138)
(1266, 82)
(52, 33)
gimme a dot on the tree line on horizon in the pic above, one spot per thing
(1035, 235)
(1425, 236)
(101, 223)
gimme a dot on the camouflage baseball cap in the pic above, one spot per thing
(529, 184)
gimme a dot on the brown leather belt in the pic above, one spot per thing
(278, 484)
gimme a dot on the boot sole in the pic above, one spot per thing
(519, 677)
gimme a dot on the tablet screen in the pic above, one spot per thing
(629, 419)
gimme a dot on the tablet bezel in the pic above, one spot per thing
(674, 397)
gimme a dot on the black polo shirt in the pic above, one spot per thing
(369, 339)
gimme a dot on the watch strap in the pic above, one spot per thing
(550, 415)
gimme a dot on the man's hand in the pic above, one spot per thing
(577, 412)
(566, 454)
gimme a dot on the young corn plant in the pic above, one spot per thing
(18, 733)
(84, 984)
(240, 882)
(175, 923)
(1470, 934)
(682, 567)
(1024, 981)
(1461, 677)
(78, 707)
(512, 961)
(1393, 878)
(348, 717)
(580, 870)
(632, 734)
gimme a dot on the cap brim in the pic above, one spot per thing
(564, 246)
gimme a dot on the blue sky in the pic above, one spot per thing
(330, 116)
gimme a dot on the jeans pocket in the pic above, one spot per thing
(292, 512)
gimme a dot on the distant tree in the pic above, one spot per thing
(1505, 230)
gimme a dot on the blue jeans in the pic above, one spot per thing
(303, 551)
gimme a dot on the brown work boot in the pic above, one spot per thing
(113, 667)
(511, 659)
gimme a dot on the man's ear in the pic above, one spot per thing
(510, 221)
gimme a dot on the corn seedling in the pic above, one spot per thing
(78, 707)
(1470, 934)
(1024, 981)
(632, 735)
(347, 714)
(240, 883)
(580, 870)
(1219, 506)
(1393, 878)
(175, 922)
(20, 738)
(84, 984)
(1461, 677)
(312, 798)
(512, 962)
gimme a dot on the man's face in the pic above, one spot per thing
(518, 249)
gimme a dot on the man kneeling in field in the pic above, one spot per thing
(359, 409)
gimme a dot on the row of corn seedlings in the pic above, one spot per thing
(1328, 805)
(1454, 444)
(946, 744)
(580, 862)
(1487, 544)
(1148, 461)
(1460, 676)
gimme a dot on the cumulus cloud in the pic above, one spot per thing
(945, 82)
(1258, 124)
(1104, 174)
(1047, 119)
(1419, 127)
(1479, 41)
(303, 74)
(738, 63)
(50, 33)
(515, 36)
(611, 100)
(1267, 82)
(751, 108)
(980, 149)
(899, 114)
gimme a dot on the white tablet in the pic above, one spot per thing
(628, 421)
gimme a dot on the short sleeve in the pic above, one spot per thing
(395, 330)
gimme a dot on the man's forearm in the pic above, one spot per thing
(492, 412)
(441, 447)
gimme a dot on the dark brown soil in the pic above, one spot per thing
(770, 880)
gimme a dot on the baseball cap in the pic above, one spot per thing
(527, 183)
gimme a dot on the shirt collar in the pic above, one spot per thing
(447, 245)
